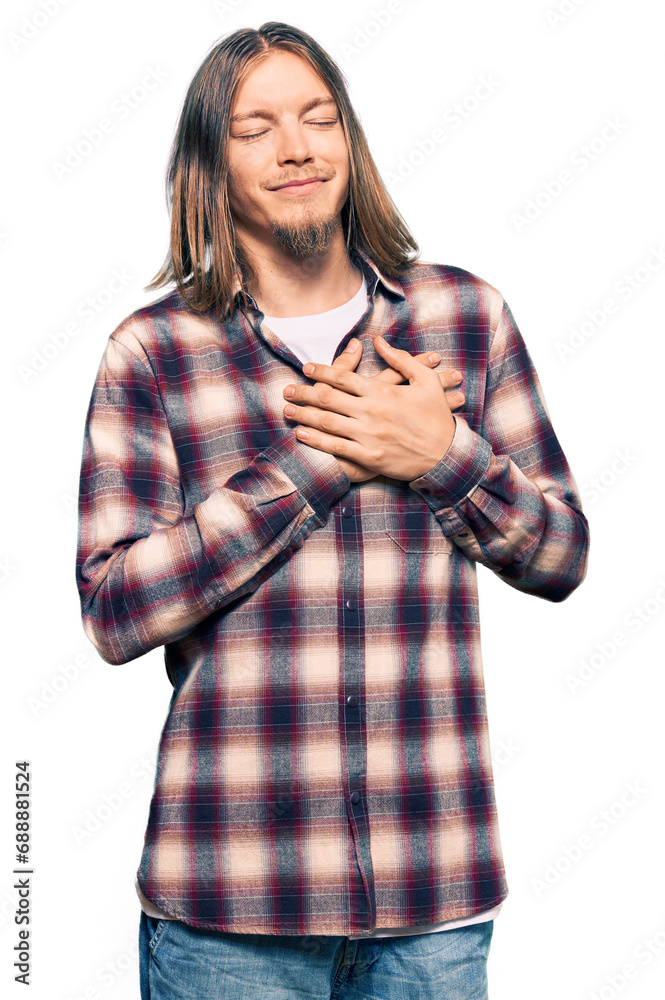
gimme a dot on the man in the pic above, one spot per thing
(303, 542)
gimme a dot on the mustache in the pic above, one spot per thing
(318, 175)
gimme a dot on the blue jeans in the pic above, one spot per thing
(180, 962)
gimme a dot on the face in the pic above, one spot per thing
(285, 127)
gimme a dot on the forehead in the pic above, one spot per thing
(279, 80)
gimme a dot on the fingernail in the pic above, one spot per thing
(434, 358)
(308, 369)
(457, 374)
(351, 346)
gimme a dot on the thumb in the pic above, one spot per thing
(350, 356)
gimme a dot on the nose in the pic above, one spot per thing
(293, 145)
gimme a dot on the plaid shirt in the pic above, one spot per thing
(324, 767)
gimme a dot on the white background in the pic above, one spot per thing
(562, 754)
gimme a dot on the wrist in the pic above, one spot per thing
(447, 441)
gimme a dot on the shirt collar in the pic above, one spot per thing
(371, 272)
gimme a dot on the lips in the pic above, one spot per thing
(306, 180)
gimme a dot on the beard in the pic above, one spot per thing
(306, 238)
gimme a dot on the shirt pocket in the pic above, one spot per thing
(411, 525)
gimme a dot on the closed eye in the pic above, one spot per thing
(255, 135)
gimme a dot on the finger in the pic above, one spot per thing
(350, 356)
(450, 378)
(352, 353)
(338, 378)
(323, 396)
(393, 377)
(319, 417)
(401, 360)
(342, 447)
(346, 361)
(454, 397)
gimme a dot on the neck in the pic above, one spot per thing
(284, 285)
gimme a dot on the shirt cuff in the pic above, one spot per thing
(316, 474)
(458, 472)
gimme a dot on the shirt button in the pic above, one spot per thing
(352, 700)
(347, 511)
(355, 798)
(352, 604)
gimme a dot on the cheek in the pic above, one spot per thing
(343, 168)
(234, 194)
(239, 186)
(246, 173)
(343, 173)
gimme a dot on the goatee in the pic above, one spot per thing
(306, 239)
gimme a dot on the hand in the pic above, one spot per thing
(320, 398)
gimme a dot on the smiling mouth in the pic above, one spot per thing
(301, 187)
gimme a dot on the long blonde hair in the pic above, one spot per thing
(204, 254)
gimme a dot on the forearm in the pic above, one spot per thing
(141, 594)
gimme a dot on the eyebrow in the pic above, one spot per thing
(316, 102)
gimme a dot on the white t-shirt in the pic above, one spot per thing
(316, 338)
